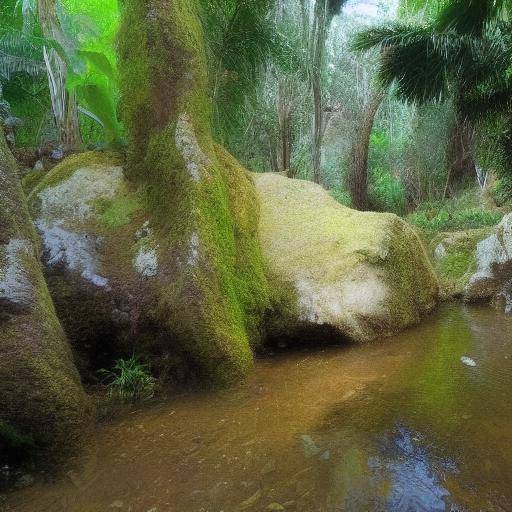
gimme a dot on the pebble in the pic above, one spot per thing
(467, 361)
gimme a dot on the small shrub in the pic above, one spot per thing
(129, 381)
(444, 220)
(341, 196)
(386, 193)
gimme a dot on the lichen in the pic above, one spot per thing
(15, 288)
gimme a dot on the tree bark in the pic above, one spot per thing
(64, 103)
(318, 39)
(285, 110)
(357, 178)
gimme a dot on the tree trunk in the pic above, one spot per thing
(212, 290)
(461, 161)
(357, 178)
(284, 109)
(64, 104)
(40, 390)
(318, 39)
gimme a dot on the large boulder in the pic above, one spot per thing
(362, 275)
(492, 280)
(42, 400)
(106, 264)
(476, 265)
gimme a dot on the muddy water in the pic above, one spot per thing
(401, 425)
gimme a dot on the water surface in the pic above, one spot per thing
(400, 425)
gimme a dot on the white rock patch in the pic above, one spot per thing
(193, 255)
(73, 198)
(146, 262)
(15, 286)
(72, 201)
(77, 251)
(345, 299)
(186, 142)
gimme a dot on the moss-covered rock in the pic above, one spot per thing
(106, 263)
(363, 274)
(40, 391)
(211, 289)
(492, 280)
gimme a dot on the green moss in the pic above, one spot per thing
(458, 263)
(40, 388)
(205, 225)
(68, 166)
(31, 180)
(313, 244)
(117, 212)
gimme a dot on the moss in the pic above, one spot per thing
(366, 273)
(117, 212)
(458, 263)
(200, 200)
(39, 385)
(68, 166)
(31, 180)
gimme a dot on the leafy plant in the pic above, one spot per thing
(129, 381)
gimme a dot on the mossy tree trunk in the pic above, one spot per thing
(40, 391)
(211, 286)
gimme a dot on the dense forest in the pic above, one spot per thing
(255, 255)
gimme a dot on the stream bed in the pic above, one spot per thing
(418, 422)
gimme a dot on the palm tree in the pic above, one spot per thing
(462, 54)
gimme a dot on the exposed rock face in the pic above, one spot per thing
(363, 274)
(493, 277)
(107, 264)
(101, 259)
(40, 391)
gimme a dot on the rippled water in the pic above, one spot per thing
(402, 425)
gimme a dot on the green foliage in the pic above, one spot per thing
(446, 220)
(239, 37)
(387, 193)
(129, 381)
(12, 438)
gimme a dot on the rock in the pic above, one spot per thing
(440, 252)
(108, 269)
(57, 154)
(275, 507)
(38, 166)
(43, 402)
(24, 481)
(492, 280)
(360, 274)
(467, 361)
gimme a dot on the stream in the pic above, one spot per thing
(403, 424)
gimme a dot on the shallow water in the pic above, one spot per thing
(401, 425)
